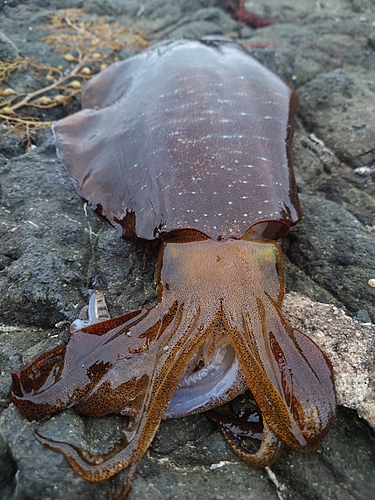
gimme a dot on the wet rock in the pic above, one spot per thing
(37, 476)
(340, 93)
(320, 172)
(336, 251)
(8, 49)
(336, 467)
(293, 52)
(363, 316)
(212, 21)
(349, 344)
(371, 40)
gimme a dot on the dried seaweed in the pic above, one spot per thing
(87, 42)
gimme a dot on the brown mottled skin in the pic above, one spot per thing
(188, 142)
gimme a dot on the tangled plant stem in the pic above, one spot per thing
(76, 35)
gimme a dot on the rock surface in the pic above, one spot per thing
(350, 345)
(52, 250)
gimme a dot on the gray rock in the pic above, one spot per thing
(8, 49)
(336, 251)
(211, 21)
(349, 344)
(340, 93)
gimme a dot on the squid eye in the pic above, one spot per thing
(270, 230)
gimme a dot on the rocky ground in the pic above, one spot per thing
(52, 250)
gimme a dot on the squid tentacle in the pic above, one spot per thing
(133, 364)
(288, 375)
(184, 335)
(54, 381)
(268, 452)
(237, 426)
